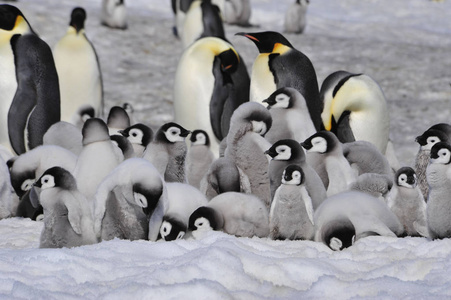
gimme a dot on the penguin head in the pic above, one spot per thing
(199, 137)
(430, 137)
(171, 133)
(77, 19)
(128, 108)
(13, 21)
(441, 153)
(268, 41)
(172, 229)
(229, 60)
(94, 130)
(138, 134)
(293, 175)
(203, 218)
(123, 144)
(287, 149)
(321, 142)
(56, 177)
(406, 177)
(259, 118)
(118, 118)
(282, 98)
(147, 197)
(85, 112)
(22, 181)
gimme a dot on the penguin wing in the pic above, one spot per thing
(221, 92)
(342, 128)
(308, 203)
(74, 212)
(366, 225)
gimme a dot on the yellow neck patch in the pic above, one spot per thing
(280, 48)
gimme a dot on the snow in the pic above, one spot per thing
(404, 45)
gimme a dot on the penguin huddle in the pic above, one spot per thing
(315, 164)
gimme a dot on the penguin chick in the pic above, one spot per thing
(65, 135)
(339, 171)
(199, 157)
(139, 135)
(377, 185)
(291, 215)
(84, 112)
(364, 157)
(8, 199)
(167, 152)
(183, 200)
(438, 209)
(295, 17)
(287, 152)
(407, 203)
(114, 14)
(124, 146)
(290, 116)
(117, 120)
(238, 214)
(67, 215)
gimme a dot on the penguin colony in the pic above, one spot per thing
(314, 164)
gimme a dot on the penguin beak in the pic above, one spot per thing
(249, 36)
(307, 145)
(185, 133)
(270, 153)
(123, 133)
(420, 140)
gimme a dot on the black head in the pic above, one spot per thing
(200, 136)
(124, 144)
(229, 61)
(172, 229)
(8, 16)
(118, 118)
(441, 151)
(139, 134)
(195, 220)
(406, 175)
(22, 181)
(294, 172)
(322, 142)
(260, 116)
(171, 132)
(77, 18)
(281, 95)
(57, 177)
(94, 130)
(281, 147)
(431, 136)
(147, 197)
(266, 40)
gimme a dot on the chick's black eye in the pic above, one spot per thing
(134, 134)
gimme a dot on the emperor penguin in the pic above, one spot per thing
(139, 135)
(117, 120)
(291, 214)
(66, 135)
(124, 146)
(9, 201)
(290, 116)
(97, 158)
(199, 157)
(238, 214)
(278, 65)
(68, 220)
(167, 152)
(80, 77)
(438, 208)
(339, 172)
(296, 17)
(246, 146)
(183, 200)
(235, 12)
(377, 185)
(364, 157)
(406, 201)
(130, 202)
(207, 99)
(289, 152)
(180, 8)
(202, 19)
(440, 132)
(114, 14)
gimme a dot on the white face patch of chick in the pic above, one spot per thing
(430, 141)
(140, 200)
(282, 101)
(283, 153)
(27, 184)
(202, 224)
(165, 229)
(296, 178)
(319, 144)
(444, 157)
(201, 139)
(173, 135)
(259, 127)
(47, 181)
(135, 136)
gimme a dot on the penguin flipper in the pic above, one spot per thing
(343, 130)
(74, 213)
(218, 98)
(366, 225)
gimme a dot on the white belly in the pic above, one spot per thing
(262, 80)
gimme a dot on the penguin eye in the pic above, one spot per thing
(432, 140)
(403, 177)
(27, 184)
(134, 134)
(140, 200)
(47, 181)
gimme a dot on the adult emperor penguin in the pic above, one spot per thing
(339, 172)
(246, 146)
(291, 214)
(346, 217)
(438, 209)
(221, 83)
(202, 19)
(199, 157)
(290, 116)
(139, 135)
(289, 152)
(295, 17)
(130, 202)
(97, 158)
(406, 201)
(114, 14)
(440, 132)
(68, 220)
(236, 12)
(183, 200)
(234, 213)
(278, 65)
(80, 78)
(167, 152)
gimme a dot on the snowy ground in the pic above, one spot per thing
(403, 45)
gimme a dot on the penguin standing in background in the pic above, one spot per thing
(407, 203)
(199, 157)
(290, 116)
(117, 120)
(278, 65)
(80, 77)
(295, 17)
(235, 12)
(167, 152)
(180, 8)
(438, 208)
(221, 83)
(114, 14)
(68, 218)
(202, 19)
(291, 214)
